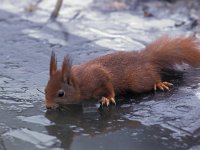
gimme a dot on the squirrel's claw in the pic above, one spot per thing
(162, 86)
(107, 101)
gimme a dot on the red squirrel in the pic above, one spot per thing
(106, 76)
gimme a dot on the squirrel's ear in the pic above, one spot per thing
(66, 69)
(53, 64)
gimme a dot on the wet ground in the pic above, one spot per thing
(85, 30)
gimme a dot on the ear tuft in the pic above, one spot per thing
(66, 69)
(53, 64)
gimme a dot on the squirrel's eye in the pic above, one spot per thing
(61, 93)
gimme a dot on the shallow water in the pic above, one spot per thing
(87, 29)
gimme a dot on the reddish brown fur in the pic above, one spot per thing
(120, 71)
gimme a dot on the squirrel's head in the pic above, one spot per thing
(62, 87)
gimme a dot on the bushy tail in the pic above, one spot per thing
(166, 52)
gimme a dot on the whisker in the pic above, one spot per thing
(41, 91)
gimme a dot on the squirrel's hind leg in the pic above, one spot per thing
(147, 81)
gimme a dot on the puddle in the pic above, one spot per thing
(40, 140)
(35, 119)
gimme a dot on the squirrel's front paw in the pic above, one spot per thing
(107, 101)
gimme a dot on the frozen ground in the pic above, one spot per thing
(87, 29)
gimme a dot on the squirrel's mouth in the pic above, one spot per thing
(66, 107)
(56, 107)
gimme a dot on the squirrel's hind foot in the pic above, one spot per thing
(163, 86)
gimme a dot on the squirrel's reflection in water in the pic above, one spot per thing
(76, 122)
